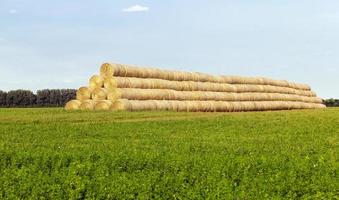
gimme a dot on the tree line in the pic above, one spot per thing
(331, 102)
(43, 98)
(59, 97)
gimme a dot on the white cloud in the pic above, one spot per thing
(13, 11)
(136, 8)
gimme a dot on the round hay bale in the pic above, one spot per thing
(73, 105)
(87, 105)
(96, 81)
(110, 83)
(114, 94)
(107, 69)
(99, 94)
(103, 105)
(83, 93)
(121, 105)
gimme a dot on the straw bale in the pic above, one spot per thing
(113, 95)
(73, 105)
(103, 105)
(96, 81)
(121, 104)
(87, 105)
(99, 94)
(83, 93)
(107, 69)
(110, 83)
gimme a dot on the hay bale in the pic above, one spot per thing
(114, 95)
(110, 83)
(99, 94)
(73, 105)
(87, 105)
(84, 93)
(121, 105)
(107, 69)
(103, 105)
(96, 81)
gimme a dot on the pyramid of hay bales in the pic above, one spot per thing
(131, 88)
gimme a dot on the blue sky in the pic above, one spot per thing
(60, 44)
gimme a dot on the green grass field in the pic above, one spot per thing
(51, 154)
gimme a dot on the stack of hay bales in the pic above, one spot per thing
(126, 87)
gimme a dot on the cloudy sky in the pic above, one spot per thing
(60, 44)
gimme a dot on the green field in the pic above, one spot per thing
(52, 154)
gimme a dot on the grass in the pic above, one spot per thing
(51, 154)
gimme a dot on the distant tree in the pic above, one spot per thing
(67, 95)
(54, 97)
(331, 102)
(20, 98)
(3, 96)
(42, 97)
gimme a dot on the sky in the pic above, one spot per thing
(60, 44)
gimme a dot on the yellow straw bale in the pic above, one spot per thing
(96, 81)
(99, 94)
(103, 105)
(83, 93)
(87, 105)
(107, 69)
(110, 83)
(121, 104)
(73, 105)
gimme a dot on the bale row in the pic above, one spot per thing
(111, 69)
(85, 93)
(209, 106)
(89, 105)
(120, 87)
(187, 106)
(124, 82)
(165, 94)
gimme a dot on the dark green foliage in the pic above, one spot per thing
(53, 154)
(44, 98)
(67, 95)
(20, 98)
(3, 96)
(54, 97)
(332, 102)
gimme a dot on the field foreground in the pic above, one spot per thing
(49, 153)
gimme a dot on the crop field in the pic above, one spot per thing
(48, 153)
